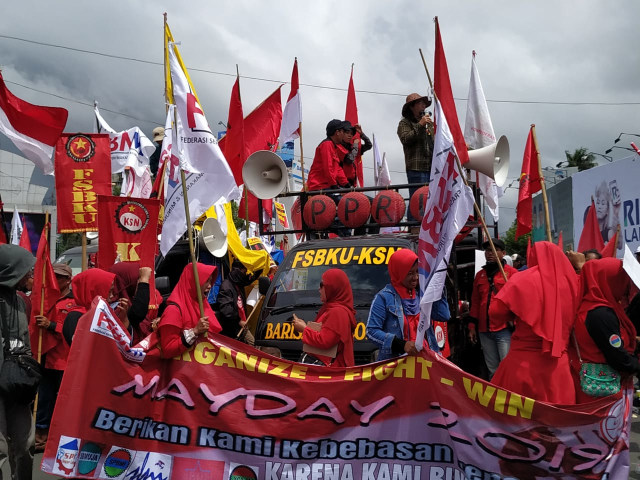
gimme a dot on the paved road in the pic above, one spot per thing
(635, 457)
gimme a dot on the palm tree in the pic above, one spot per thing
(581, 158)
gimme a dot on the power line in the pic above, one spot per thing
(325, 87)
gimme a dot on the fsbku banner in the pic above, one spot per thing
(83, 171)
(224, 410)
(128, 230)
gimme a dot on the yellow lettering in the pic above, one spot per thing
(248, 362)
(365, 255)
(287, 330)
(185, 357)
(128, 252)
(332, 256)
(520, 404)
(424, 367)
(279, 369)
(352, 374)
(345, 260)
(361, 331)
(276, 331)
(224, 358)
(82, 173)
(263, 365)
(366, 374)
(83, 185)
(381, 255)
(319, 258)
(84, 217)
(476, 391)
(84, 197)
(381, 372)
(308, 258)
(390, 252)
(297, 259)
(269, 333)
(500, 401)
(406, 368)
(298, 371)
(204, 353)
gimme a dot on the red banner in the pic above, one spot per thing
(82, 171)
(227, 411)
(128, 230)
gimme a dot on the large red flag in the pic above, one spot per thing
(25, 242)
(351, 115)
(261, 129)
(611, 247)
(442, 87)
(45, 286)
(529, 184)
(234, 147)
(32, 128)
(591, 237)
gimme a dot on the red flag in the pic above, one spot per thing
(234, 146)
(560, 240)
(591, 237)
(261, 129)
(442, 87)
(44, 282)
(531, 258)
(351, 115)
(292, 116)
(3, 237)
(612, 246)
(32, 128)
(529, 184)
(25, 242)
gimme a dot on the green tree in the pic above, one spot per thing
(237, 221)
(581, 158)
(518, 246)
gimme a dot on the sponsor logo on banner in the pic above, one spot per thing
(149, 465)
(197, 469)
(66, 456)
(105, 324)
(242, 472)
(80, 148)
(132, 216)
(88, 458)
(116, 463)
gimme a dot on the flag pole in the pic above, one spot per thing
(246, 191)
(45, 232)
(84, 250)
(545, 201)
(464, 178)
(4, 226)
(185, 199)
(304, 181)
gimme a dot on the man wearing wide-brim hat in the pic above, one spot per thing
(415, 131)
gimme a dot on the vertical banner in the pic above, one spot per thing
(82, 171)
(128, 229)
(282, 214)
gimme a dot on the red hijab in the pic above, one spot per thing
(399, 265)
(185, 295)
(604, 283)
(126, 280)
(337, 290)
(545, 296)
(89, 284)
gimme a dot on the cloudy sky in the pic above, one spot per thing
(570, 67)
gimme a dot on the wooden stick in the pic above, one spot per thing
(304, 181)
(464, 178)
(192, 252)
(45, 232)
(84, 251)
(545, 202)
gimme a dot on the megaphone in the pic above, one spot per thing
(265, 174)
(213, 238)
(492, 160)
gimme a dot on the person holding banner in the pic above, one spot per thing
(395, 310)
(181, 323)
(16, 422)
(540, 302)
(605, 335)
(337, 318)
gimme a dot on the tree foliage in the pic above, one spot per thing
(518, 246)
(581, 158)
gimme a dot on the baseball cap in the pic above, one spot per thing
(333, 126)
(158, 134)
(499, 244)
(62, 269)
(347, 127)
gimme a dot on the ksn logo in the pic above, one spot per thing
(132, 217)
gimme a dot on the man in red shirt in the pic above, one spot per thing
(54, 353)
(495, 336)
(326, 171)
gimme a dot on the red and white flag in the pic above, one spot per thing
(292, 116)
(381, 172)
(478, 133)
(351, 115)
(442, 87)
(32, 128)
(16, 227)
(449, 204)
(530, 183)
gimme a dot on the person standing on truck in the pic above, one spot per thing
(395, 310)
(350, 152)
(326, 171)
(337, 318)
(494, 333)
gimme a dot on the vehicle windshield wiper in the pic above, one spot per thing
(288, 308)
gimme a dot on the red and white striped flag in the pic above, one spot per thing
(32, 128)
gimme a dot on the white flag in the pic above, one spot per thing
(292, 115)
(381, 171)
(136, 186)
(478, 133)
(16, 227)
(449, 204)
(122, 143)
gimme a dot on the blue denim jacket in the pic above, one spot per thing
(386, 320)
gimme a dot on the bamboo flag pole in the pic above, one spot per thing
(543, 186)
(246, 190)
(45, 232)
(185, 199)
(464, 177)
(304, 181)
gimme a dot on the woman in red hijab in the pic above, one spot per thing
(603, 331)
(86, 286)
(181, 323)
(338, 319)
(541, 301)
